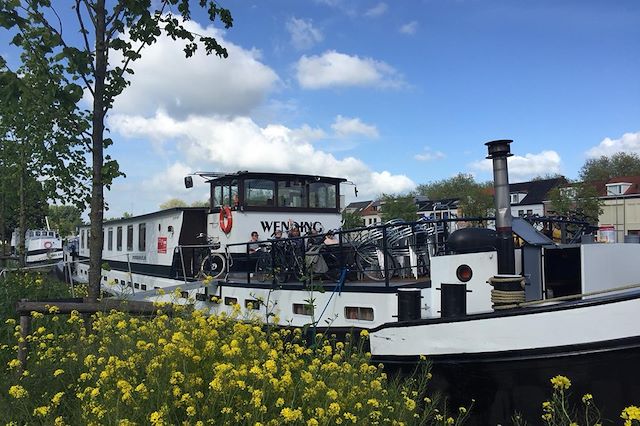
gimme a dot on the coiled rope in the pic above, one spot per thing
(505, 299)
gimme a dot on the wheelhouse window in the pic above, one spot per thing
(110, 240)
(291, 193)
(142, 237)
(259, 192)
(224, 193)
(129, 237)
(119, 238)
(322, 195)
(82, 239)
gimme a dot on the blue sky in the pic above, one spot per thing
(388, 94)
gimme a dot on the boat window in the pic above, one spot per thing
(252, 304)
(129, 237)
(259, 192)
(37, 233)
(216, 195)
(119, 238)
(82, 239)
(142, 237)
(303, 309)
(292, 193)
(358, 313)
(110, 241)
(322, 195)
(230, 301)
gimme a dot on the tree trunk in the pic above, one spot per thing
(97, 194)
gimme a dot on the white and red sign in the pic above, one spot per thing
(162, 244)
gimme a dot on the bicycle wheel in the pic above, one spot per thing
(213, 265)
(369, 265)
(263, 268)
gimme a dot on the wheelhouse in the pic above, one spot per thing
(275, 192)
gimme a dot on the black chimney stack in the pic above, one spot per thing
(498, 152)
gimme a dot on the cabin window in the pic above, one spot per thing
(216, 195)
(358, 313)
(303, 309)
(37, 233)
(291, 193)
(82, 239)
(129, 237)
(230, 301)
(119, 238)
(322, 195)
(142, 237)
(252, 304)
(143, 286)
(225, 193)
(259, 192)
(110, 240)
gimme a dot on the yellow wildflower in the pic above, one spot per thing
(58, 372)
(18, 392)
(560, 382)
(291, 415)
(41, 411)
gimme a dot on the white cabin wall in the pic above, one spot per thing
(443, 270)
(606, 266)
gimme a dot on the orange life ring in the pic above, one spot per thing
(48, 244)
(225, 219)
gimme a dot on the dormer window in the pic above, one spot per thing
(617, 188)
(517, 197)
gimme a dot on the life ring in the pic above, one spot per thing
(225, 219)
(48, 244)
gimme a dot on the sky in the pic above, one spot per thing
(389, 94)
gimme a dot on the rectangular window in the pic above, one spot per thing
(82, 239)
(230, 301)
(291, 193)
(252, 304)
(142, 237)
(110, 241)
(303, 309)
(322, 195)
(119, 238)
(529, 212)
(259, 192)
(358, 313)
(129, 237)
(520, 213)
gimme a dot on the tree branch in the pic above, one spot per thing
(83, 30)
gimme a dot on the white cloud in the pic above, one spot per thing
(198, 85)
(377, 10)
(345, 127)
(629, 142)
(429, 155)
(338, 69)
(303, 34)
(409, 28)
(524, 168)
(219, 143)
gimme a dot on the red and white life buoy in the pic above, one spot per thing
(48, 244)
(225, 219)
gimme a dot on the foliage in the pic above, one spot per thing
(398, 207)
(578, 201)
(123, 31)
(65, 219)
(171, 203)
(351, 220)
(475, 198)
(204, 203)
(194, 369)
(605, 168)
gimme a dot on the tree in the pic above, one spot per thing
(171, 203)
(127, 28)
(351, 220)
(605, 168)
(398, 207)
(475, 198)
(578, 201)
(65, 219)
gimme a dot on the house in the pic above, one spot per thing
(620, 198)
(532, 198)
(372, 213)
(438, 209)
(357, 206)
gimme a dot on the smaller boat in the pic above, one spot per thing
(42, 246)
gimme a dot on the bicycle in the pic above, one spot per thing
(213, 263)
(279, 260)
